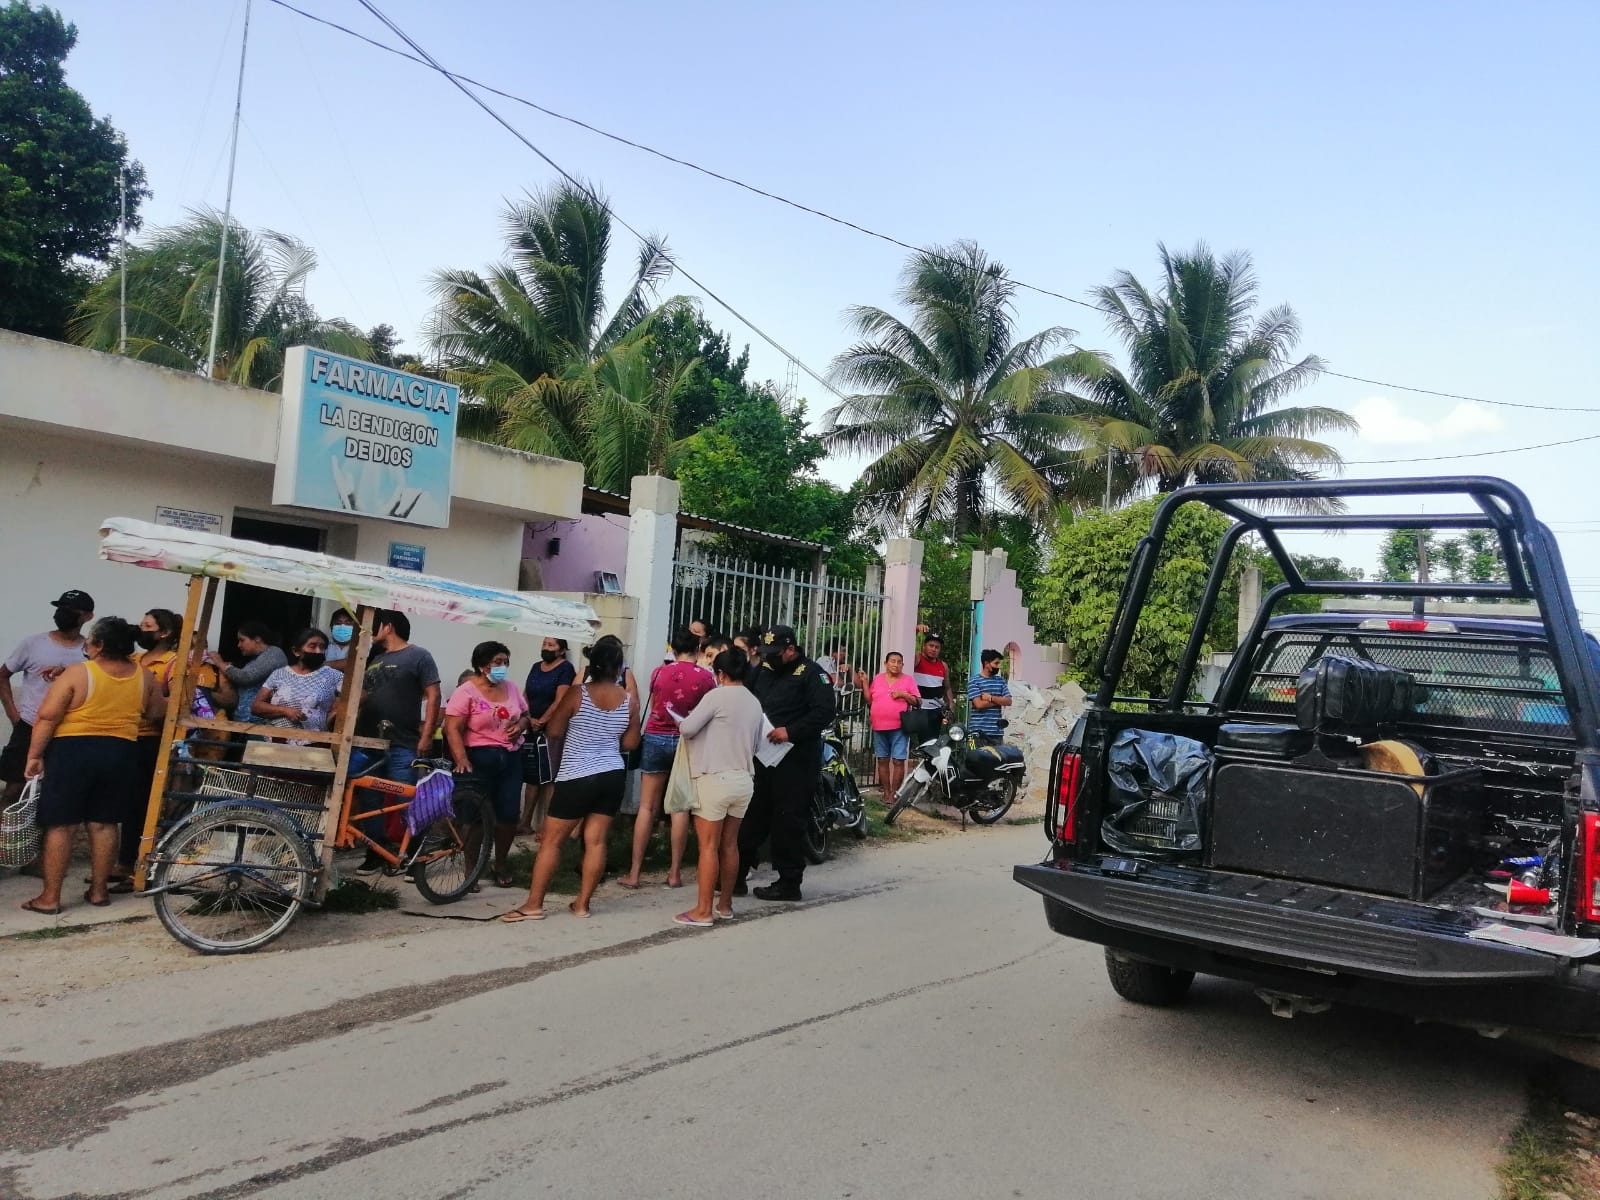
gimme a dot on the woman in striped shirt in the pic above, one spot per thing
(600, 721)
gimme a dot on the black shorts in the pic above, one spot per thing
(589, 796)
(87, 779)
(14, 758)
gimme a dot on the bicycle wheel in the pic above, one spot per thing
(451, 853)
(229, 880)
(815, 841)
(996, 802)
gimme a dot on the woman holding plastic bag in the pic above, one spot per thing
(712, 778)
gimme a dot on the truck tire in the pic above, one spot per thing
(1147, 982)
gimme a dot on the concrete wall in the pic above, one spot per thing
(594, 542)
(1007, 624)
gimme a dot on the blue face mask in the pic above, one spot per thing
(498, 674)
(341, 633)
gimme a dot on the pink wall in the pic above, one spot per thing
(1006, 621)
(594, 542)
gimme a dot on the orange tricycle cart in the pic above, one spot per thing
(241, 830)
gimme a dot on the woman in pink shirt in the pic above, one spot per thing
(890, 693)
(680, 685)
(483, 726)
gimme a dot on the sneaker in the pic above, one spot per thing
(775, 891)
(371, 865)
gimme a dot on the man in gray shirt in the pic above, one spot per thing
(38, 660)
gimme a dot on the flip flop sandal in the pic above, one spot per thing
(573, 909)
(722, 916)
(104, 903)
(684, 918)
(504, 879)
(120, 887)
(517, 914)
(30, 906)
(679, 884)
(632, 887)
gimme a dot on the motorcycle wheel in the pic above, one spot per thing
(853, 803)
(995, 802)
(910, 792)
(816, 826)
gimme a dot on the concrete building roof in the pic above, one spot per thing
(106, 399)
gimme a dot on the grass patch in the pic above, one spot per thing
(355, 896)
(619, 857)
(1038, 820)
(876, 829)
(1553, 1152)
(50, 932)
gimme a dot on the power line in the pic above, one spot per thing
(812, 210)
(555, 166)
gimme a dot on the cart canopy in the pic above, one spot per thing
(352, 584)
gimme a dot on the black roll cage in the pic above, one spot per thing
(1533, 566)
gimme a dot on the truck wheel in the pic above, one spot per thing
(1147, 982)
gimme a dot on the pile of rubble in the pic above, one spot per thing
(1039, 718)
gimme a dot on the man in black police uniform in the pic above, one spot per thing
(798, 699)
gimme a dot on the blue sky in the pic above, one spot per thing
(1416, 179)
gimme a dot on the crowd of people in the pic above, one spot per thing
(726, 735)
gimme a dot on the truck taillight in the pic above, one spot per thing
(1067, 798)
(1589, 869)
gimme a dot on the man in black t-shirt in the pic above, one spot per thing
(399, 702)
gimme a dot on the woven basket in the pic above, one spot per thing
(19, 828)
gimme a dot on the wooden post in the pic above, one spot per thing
(345, 726)
(180, 688)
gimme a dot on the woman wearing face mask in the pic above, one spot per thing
(548, 682)
(483, 725)
(157, 639)
(341, 632)
(300, 695)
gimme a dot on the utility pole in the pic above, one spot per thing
(1108, 479)
(1417, 605)
(122, 306)
(227, 204)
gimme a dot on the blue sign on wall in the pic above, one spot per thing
(366, 440)
(403, 556)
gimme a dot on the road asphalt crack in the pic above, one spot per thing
(45, 1107)
(349, 1149)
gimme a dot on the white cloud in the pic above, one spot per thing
(1384, 422)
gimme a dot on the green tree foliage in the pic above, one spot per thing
(58, 175)
(717, 377)
(171, 280)
(1199, 400)
(963, 418)
(1473, 557)
(1088, 563)
(756, 466)
(547, 369)
(1310, 566)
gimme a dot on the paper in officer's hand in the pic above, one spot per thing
(771, 753)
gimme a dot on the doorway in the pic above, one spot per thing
(284, 613)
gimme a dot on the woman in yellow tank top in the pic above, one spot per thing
(83, 754)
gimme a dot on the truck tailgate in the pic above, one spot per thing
(1286, 923)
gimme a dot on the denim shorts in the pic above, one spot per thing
(657, 753)
(891, 743)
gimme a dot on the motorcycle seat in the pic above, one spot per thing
(994, 758)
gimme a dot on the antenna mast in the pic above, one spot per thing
(227, 204)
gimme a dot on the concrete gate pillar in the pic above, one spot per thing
(902, 590)
(652, 545)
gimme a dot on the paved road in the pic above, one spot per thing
(912, 1031)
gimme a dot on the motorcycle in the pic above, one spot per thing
(980, 781)
(836, 803)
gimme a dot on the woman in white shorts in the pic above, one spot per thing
(722, 734)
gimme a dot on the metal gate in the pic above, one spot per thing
(828, 615)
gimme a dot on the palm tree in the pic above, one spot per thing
(1198, 403)
(171, 281)
(963, 418)
(547, 368)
